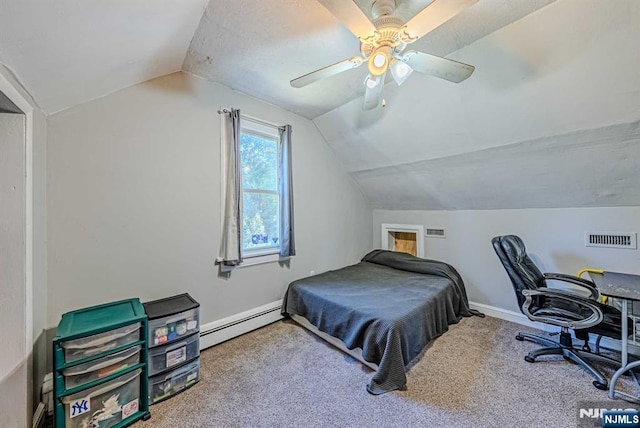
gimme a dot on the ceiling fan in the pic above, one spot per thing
(383, 43)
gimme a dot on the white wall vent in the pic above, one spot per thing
(611, 240)
(435, 233)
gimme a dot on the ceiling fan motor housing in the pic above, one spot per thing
(388, 27)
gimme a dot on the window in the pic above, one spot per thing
(260, 147)
(257, 192)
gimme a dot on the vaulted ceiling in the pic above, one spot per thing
(552, 109)
(67, 52)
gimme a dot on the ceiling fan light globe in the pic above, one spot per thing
(400, 71)
(379, 61)
(371, 83)
(378, 64)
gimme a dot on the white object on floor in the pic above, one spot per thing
(47, 393)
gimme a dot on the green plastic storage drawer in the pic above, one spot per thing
(100, 366)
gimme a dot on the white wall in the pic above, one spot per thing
(554, 238)
(134, 201)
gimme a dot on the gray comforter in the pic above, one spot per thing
(390, 305)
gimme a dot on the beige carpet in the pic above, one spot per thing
(472, 376)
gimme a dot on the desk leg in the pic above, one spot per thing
(625, 334)
(618, 394)
(625, 348)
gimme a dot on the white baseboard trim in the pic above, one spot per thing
(521, 319)
(227, 328)
(507, 315)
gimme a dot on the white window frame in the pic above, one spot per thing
(262, 129)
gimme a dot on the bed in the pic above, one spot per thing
(389, 306)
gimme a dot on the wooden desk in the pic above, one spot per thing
(626, 287)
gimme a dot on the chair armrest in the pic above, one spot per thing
(594, 319)
(595, 294)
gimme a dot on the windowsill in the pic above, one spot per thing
(259, 259)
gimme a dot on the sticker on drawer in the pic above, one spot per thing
(130, 408)
(191, 325)
(192, 376)
(176, 356)
(80, 407)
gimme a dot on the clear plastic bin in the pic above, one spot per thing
(169, 329)
(166, 385)
(98, 343)
(173, 354)
(105, 405)
(100, 368)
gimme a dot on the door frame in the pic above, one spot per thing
(23, 103)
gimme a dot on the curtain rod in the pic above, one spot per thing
(252, 119)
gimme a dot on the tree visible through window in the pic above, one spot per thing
(259, 148)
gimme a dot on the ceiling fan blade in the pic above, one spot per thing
(373, 95)
(351, 16)
(443, 68)
(434, 15)
(327, 71)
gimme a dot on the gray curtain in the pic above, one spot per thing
(287, 241)
(231, 245)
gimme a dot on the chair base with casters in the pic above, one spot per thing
(566, 348)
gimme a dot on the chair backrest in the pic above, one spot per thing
(523, 273)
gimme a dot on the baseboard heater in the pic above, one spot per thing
(227, 328)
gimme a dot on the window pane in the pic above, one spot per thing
(261, 220)
(258, 162)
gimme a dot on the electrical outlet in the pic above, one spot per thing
(312, 272)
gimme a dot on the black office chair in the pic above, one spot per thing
(566, 309)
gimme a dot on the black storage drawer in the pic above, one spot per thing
(172, 319)
(166, 385)
(164, 357)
